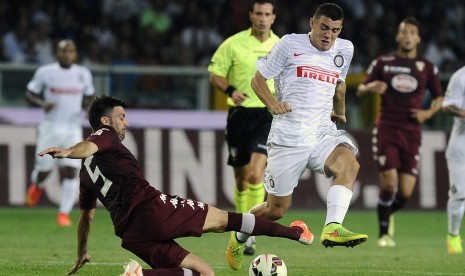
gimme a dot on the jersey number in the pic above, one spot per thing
(95, 174)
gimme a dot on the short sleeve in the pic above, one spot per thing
(103, 138)
(348, 54)
(36, 84)
(275, 61)
(221, 61)
(455, 93)
(373, 71)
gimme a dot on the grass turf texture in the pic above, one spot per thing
(32, 244)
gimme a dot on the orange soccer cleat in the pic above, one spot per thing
(63, 220)
(33, 195)
(306, 237)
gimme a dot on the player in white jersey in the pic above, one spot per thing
(454, 105)
(60, 89)
(309, 72)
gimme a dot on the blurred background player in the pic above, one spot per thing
(146, 219)
(454, 105)
(60, 89)
(401, 79)
(248, 124)
(311, 70)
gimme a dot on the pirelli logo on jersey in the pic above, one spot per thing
(317, 74)
(65, 90)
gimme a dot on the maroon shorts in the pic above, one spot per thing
(396, 148)
(156, 223)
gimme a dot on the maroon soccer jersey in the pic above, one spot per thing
(407, 81)
(114, 176)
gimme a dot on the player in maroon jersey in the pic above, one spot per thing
(146, 219)
(401, 79)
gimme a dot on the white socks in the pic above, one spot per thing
(338, 202)
(248, 223)
(69, 192)
(455, 209)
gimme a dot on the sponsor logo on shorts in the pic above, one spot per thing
(271, 183)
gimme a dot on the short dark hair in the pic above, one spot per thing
(411, 20)
(261, 2)
(102, 107)
(330, 10)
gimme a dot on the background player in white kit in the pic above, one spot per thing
(60, 89)
(309, 72)
(454, 105)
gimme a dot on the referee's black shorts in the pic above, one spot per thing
(246, 132)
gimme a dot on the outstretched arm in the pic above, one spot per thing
(453, 110)
(339, 104)
(374, 87)
(79, 151)
(85, 222)
(264, 94)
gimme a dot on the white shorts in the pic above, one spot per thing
(456, 179)
(286, 165)
(47, 138)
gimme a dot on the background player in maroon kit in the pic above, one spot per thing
(401, 78)
(144, 218)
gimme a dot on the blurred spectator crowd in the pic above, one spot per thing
(187, 32)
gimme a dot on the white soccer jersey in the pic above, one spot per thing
(306, 78)
(64, 87)
(455, 95)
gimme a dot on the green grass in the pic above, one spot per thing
(31, 244)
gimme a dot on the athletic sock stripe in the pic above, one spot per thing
(187, 272)
(255, 188)
(248, 223)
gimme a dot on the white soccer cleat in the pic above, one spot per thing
(132, 268)
(250, 246)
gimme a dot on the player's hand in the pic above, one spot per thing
(338, 119)
(454, 110)
(377, 86)
(81, 260)
(48, 106)
(55, 152)
(281, 108)
(238, 97)
(421, 115)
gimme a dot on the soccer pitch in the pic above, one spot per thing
(32, 244)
